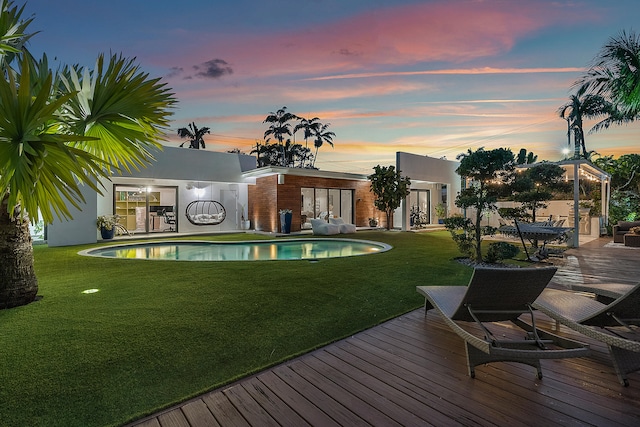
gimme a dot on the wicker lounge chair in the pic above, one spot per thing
(603, 292)
(498, 295)
(614, 324)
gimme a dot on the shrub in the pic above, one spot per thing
(501, 250)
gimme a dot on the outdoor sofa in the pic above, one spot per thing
(622, 228)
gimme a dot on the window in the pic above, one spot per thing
(325, 203)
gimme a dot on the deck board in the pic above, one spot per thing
(412, 371)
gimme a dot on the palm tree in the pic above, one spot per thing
(194, 134)
(615, 75)
(279, 126)
(61, 133)
(582, 106)
(310, 126)
(524, 158)
(322, 135)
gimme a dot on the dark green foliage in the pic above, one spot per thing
(463, 233)
(390, 189)
(501, 250)
(625, 186)
(526, 158)
(485, 172)
(534, 186)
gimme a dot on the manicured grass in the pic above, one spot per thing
(159, 332)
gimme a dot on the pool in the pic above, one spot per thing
(255, 250)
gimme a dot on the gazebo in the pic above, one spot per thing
(585, 170)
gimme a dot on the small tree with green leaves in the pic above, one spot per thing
(533, 187)
(390, 189)
(485, 172)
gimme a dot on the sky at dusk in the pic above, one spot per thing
(427, 77)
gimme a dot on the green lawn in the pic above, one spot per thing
(159, 332)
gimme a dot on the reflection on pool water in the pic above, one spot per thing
(241, 251)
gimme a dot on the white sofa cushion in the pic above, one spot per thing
(344, 227)
(323, 228)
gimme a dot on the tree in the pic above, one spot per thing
(486, 172)
(525, 158)
(60, 132)
(195, 135)
(534, 186)
(615, 75)
(279, 126)
(625, 186)
(321, 136)
(390, 188)
(582, 106)
(310, 127)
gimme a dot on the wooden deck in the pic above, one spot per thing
(411, 371)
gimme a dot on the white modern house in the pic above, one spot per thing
(191, 191)
(174, 180)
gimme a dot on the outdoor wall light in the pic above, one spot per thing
(199, 192)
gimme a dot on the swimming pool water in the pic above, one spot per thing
(289, 249)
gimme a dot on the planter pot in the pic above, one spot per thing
(107, 234)
(246, 225)
(285, 223)
(441, 221)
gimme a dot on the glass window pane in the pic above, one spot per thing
(322, 203)
(334, 203)
(346, 206)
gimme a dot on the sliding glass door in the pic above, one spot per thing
(146, 209)
(325, 203)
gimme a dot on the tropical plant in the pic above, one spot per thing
(582, 106)
(390, 189)
(194, 134)
(310, 126)
(322, 135)
(61, 132)
(615, 75)
(279, 126)
(485, 173)
(525, 158)
(624, 203)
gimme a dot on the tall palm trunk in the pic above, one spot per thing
(18, 282)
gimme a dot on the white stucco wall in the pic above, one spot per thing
(427, 173)
(81, 229)
(219, 174)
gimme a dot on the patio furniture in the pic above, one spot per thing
(632, 240)
(498, 295)
(205, 212)
(604, 292)
(537, 232)
(614, 324)
(344, 227)
(621, 228)
(169, 219)
(321, 227)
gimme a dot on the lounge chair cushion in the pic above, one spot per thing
(323, 228)
(344, 227)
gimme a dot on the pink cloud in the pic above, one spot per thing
(445, 31)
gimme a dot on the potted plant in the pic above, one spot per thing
(373, 222)
(245, 224)
(285, 220)
(107, 225)
(441, 212)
